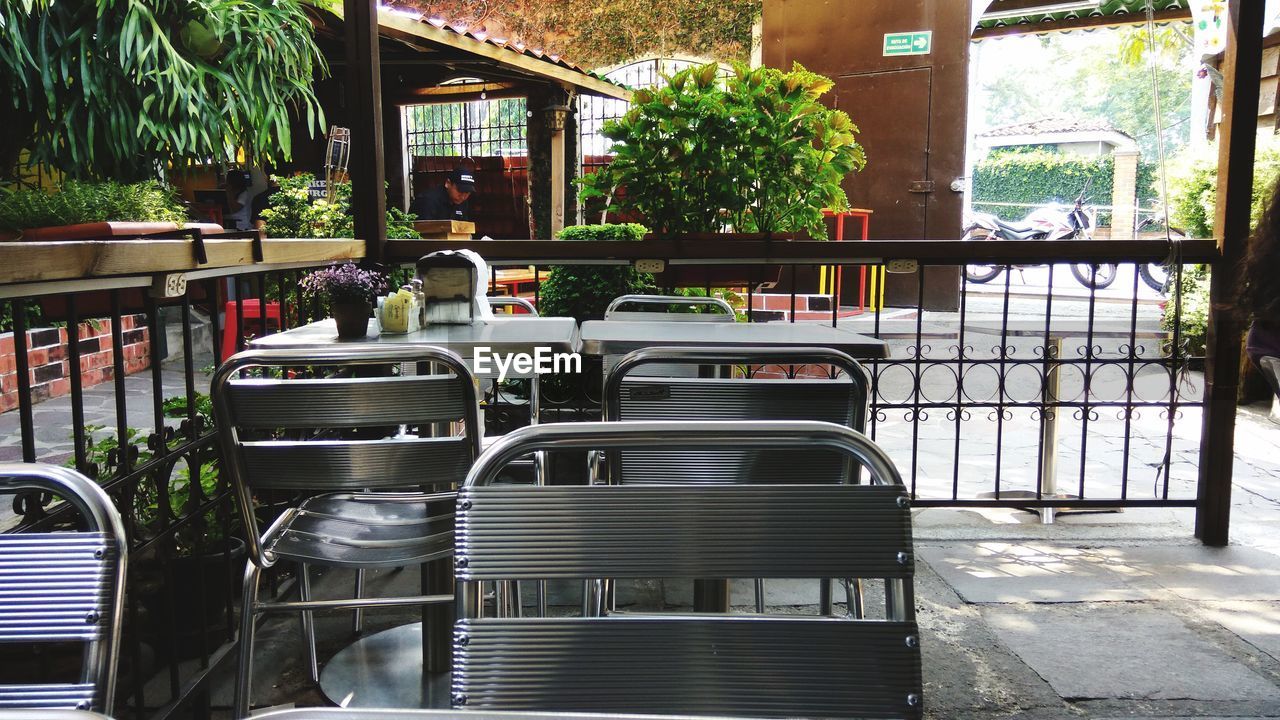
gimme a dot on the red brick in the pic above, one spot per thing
(61, 387)
(8, 401)
(62, 336)
(37, 357)
(57, 352)
(7, 364)
(6, 343)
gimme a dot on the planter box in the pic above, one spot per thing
(85, 231)
(48, 353)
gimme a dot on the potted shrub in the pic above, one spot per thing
(350, 293)
(755, 154)
(81, 210)
(292, 213)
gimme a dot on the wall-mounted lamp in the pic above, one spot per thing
(555, 116)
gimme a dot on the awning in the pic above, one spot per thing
(1023, 17)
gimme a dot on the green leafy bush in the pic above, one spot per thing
(584, 291)
(1192, 180)
(292, 213)
(85, 202)
(1039, 175)
(755, 152)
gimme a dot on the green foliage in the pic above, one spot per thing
(105, 88)
(1193, 303)
(193, 537)
(594, 33)
(1040, 176)
(85, 202)
(584, 291)
(756, 152)
(1086, 76)
(34, 315)
(1192, 179)
(292, 213)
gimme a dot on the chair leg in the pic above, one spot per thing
(244, 671)
(760, 595)
(308, 623)
(357, 619)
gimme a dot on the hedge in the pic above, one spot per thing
(1042, 176)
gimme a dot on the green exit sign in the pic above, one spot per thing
(908, 43)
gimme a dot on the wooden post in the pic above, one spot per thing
(1241, 67)
(363, 99)
(1124, 194)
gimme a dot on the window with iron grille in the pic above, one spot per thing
(489, 137)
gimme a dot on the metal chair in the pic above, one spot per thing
(659, 308)
(631, 394)
(64, 587)
(342, 522)
(497, 301)
(717, 310)
(807, 666)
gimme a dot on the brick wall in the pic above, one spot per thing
(47, 354)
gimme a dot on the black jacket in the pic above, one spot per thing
(434, 205)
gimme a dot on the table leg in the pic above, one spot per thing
(1049, 431)
(711, 596)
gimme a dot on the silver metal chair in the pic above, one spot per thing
(64, 587)
(716, 309)
(504, 301)
(343, 521)
(659, 308)
(805, 666)
(632, 394)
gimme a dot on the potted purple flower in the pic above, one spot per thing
(351, 293)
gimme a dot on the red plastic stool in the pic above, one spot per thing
(252, 312)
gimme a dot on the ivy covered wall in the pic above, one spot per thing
(1039, 176)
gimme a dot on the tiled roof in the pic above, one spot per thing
(497, 41)
(1051, 126)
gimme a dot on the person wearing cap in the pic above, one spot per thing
(448, 201)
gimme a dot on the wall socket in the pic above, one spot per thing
(901, 266)
(169, 286)
(651, 266)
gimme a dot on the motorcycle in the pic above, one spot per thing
(1047, 223)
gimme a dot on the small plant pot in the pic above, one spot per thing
(352, 319)
(191, 583)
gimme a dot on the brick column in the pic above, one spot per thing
(1124, 194)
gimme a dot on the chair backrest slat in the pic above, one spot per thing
(693, 531)
(780, 667)
(355, 464)
(346, 402)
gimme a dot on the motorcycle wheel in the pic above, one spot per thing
(1155, 275)
(1096, 277)
(982, 273)
(1158, 275)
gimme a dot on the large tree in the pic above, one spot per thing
(597, 33)
(123, 88)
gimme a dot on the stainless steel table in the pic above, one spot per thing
(617, 337)
(1053, 336)
(510, 334)
(386, 669)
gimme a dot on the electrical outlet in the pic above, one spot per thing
(169, 286)
(901, 266)
(651, 266)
